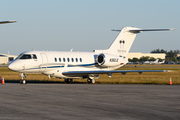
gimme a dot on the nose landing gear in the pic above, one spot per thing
(23, 76)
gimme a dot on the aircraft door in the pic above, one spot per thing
(44, 62)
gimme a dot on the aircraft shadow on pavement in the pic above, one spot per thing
(44, 82)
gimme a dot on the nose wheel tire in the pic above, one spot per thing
(22, 81)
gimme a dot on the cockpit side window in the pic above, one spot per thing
(25, 56)
(34, 56)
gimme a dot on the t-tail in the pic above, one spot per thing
(124, 40)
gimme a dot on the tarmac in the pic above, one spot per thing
(89, 101)
(3, 65)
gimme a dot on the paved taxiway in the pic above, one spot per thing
(87, 101)
(3, 65)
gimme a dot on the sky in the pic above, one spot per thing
(85, 25)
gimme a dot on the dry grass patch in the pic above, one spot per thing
(117, 78)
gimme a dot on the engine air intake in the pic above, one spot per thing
(101, 59)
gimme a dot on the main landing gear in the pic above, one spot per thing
(66, 80)
(91, 80)
(23, 76)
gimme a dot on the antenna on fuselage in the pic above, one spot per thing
(71, 50)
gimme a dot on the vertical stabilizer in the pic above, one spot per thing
(122, 43)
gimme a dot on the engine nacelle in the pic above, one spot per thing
(107, 60)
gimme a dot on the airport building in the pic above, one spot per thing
(138, 55)
(6, 58)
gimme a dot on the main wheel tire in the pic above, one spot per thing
(89, 80)
(21, 81)
(24, 82)
(70, 80)
(93, 81)
(66, 81)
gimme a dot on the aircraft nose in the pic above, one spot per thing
(12, 66)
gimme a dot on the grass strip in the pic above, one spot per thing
(117, 78)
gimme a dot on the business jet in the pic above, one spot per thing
(162, 62)
(71, 65)
(151, 62)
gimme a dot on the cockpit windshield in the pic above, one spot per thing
(27, 56)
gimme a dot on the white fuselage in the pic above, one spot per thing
(53, 63)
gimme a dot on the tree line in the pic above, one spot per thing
(170, 56)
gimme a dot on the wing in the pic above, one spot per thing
(2, 22)
(86, 73)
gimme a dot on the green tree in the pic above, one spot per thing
(135, 60)
(158, 51)
(144, 58)
(152, 59)
(129, 59)
(172, 55)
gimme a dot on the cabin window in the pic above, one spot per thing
(64, 59)
(25, 56)
(34, 56)
(55, 59)
(80, 60)
(72, 59)
(76, 60)
(59, 59)
(68, 59)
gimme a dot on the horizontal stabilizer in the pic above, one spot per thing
(137, 30)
